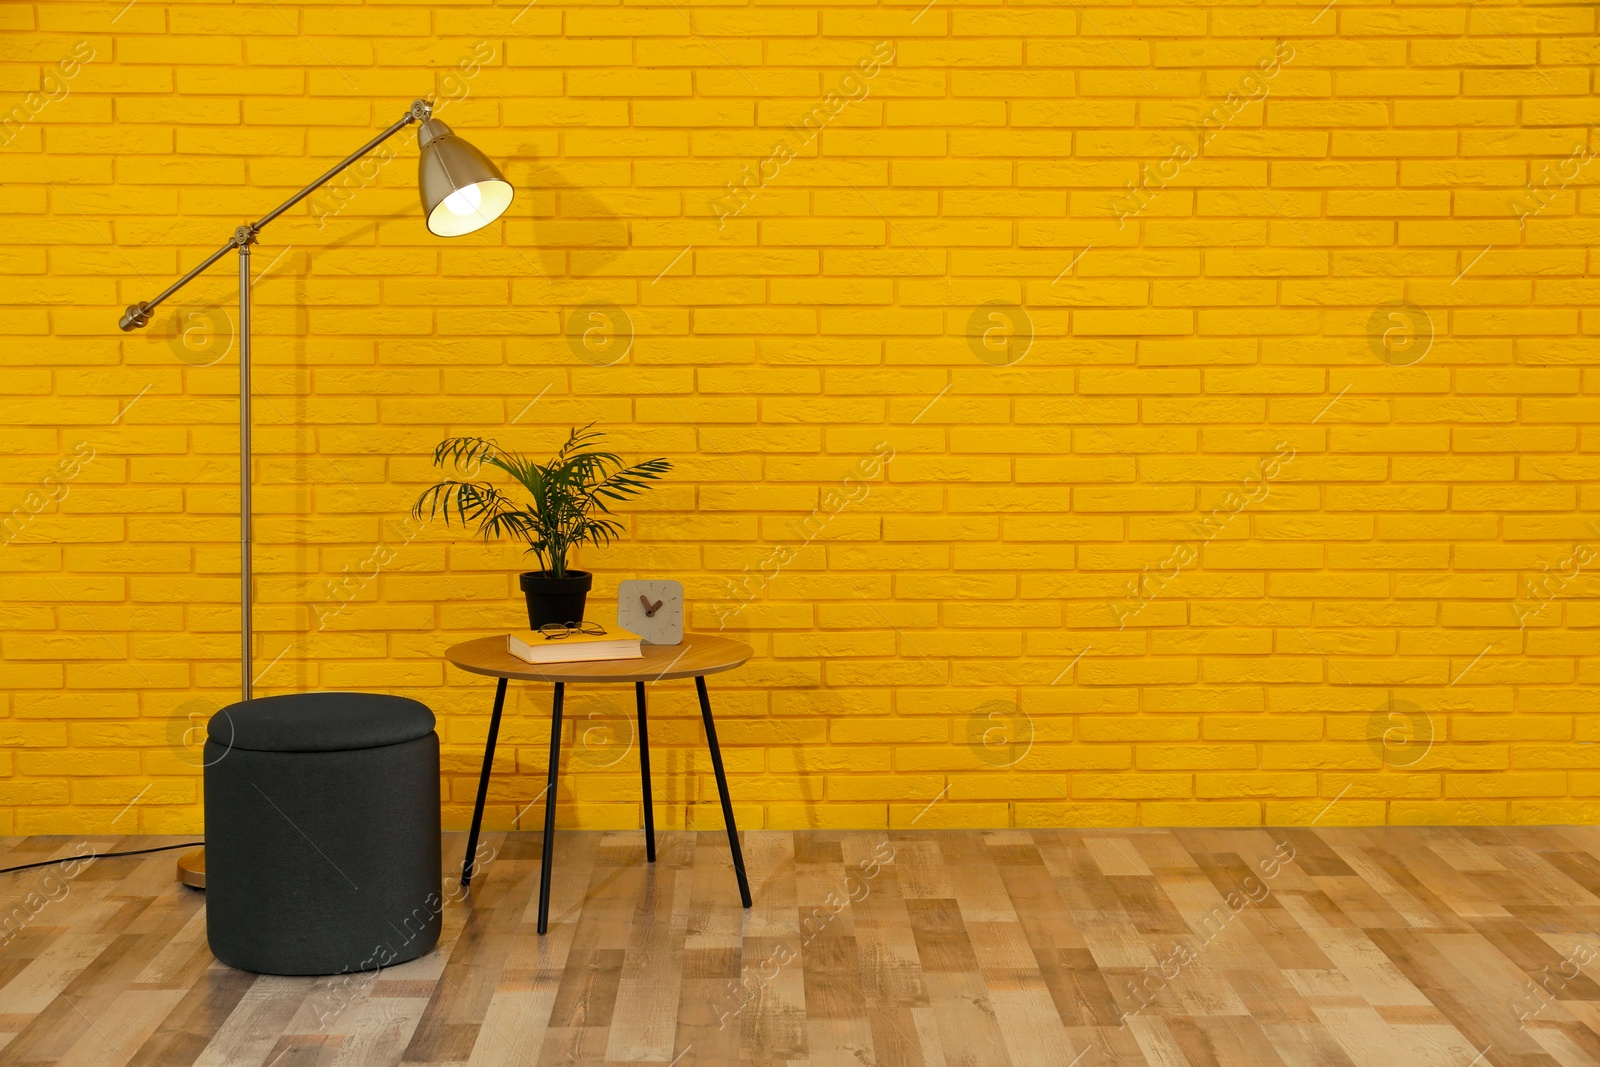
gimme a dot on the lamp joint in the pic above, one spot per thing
(421, 111)
(244, 235)
(136, 317)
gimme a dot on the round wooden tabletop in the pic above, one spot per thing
(698, 654)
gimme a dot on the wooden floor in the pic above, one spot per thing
(1401, 947)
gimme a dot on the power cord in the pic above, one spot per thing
(99, 856)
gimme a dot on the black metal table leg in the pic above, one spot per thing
(644, 774)
(722, 788)
(483, 783)
(550, 810)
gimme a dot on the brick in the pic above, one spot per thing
(1209, 786)
(1448, 812)
(1131, 786)
(1346, 812)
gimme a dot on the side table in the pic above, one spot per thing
(698, 656)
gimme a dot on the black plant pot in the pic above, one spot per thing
(555, 599)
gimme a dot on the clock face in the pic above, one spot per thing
(653, 609)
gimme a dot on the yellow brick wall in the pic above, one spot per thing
(1236, 363)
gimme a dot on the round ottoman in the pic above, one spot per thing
(322, 833)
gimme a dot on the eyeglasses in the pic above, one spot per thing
(555, 631)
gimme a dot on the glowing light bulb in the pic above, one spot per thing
(465, 201)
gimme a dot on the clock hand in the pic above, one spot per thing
(657, 607)
(649, 612)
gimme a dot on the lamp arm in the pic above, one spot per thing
(138, 315)
(419, 111)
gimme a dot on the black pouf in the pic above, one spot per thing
(322, 833)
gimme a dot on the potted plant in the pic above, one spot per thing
(568, 502)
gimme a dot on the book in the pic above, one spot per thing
(534, 647)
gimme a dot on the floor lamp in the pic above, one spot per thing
(461, 192)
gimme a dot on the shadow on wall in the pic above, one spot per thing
(577, 220)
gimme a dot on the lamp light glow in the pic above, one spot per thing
(464, 201)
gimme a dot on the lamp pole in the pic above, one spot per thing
(245, 239)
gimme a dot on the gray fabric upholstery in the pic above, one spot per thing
(319, 862)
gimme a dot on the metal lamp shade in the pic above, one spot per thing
(461, 190)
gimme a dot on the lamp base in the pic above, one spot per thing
(192, 868)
